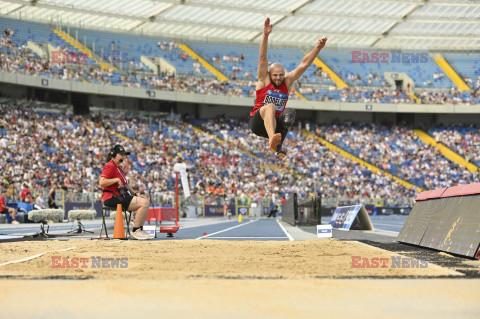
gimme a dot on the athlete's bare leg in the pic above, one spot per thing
(267, 112)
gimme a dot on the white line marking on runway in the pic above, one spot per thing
(387, 224)
(285, 231)
(115, 241)
(208, 224)
(22, 260)
(31, 257)
(386, 232)
(218, 232)
(66, 249)
(15, 228)
(282, 237)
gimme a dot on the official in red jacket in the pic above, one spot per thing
(116, 190)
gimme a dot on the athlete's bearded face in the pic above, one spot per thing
(277, 75)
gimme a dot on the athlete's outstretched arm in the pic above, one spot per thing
(262, 71)
(306, 62)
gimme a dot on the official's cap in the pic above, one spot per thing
(119, 149)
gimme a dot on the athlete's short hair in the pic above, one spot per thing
(276, 65)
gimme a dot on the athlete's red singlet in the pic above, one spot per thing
(271, 94)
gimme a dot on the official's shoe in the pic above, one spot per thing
(149, 236)
(139, 235)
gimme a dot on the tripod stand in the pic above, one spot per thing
(80, 229)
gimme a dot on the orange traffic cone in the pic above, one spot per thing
(119, 229)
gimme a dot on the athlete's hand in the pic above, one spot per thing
(321, 43)
(267, 28)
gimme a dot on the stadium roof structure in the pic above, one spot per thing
(386, 24)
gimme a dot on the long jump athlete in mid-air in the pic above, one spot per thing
(269, 117)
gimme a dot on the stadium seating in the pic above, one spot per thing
(421, 73)
(227, 56)
(366, 79)
(24, 31)
(131, 48)
(232, 165)
(467, 66)
(398, 151)
(463, 140)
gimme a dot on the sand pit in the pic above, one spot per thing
(205, 259)
(223, 298)
(225, 279)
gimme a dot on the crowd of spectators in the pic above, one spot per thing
(388, 95)
(356, 95)
(320, 74)
(372, 79)
(225, 160)
(367, 95)
(399, 151)
(463, 140)
(311, 166)
(42, 149)
(208, 85)
(451, 96)
(18, 58)
(27, 63)
(166, 45)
